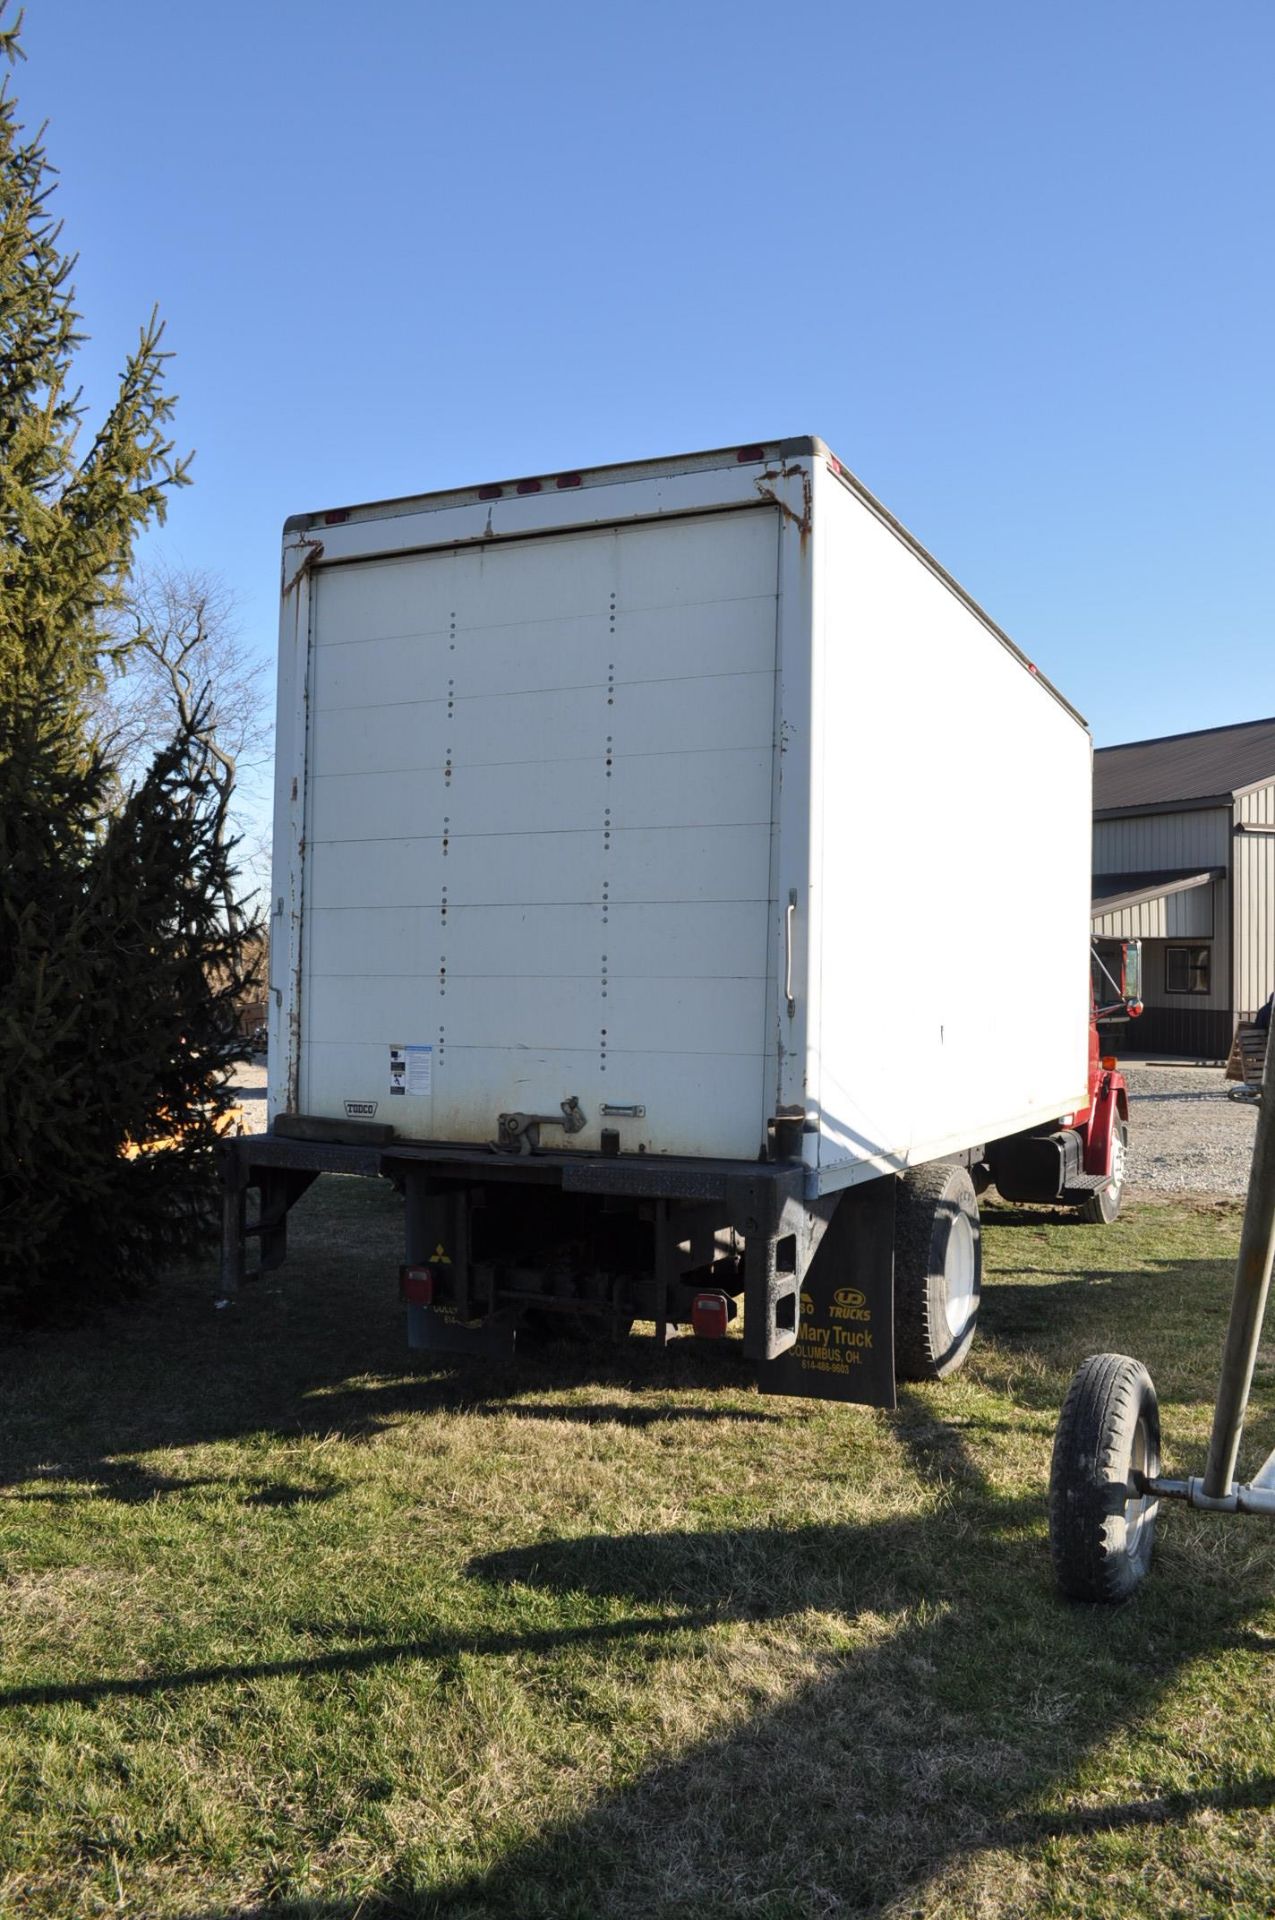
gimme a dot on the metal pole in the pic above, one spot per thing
(1248, 1302)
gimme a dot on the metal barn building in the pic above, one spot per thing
(1184, 860)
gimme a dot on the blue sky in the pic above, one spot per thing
(1012, 261)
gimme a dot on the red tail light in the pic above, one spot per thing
(416, 1286)
(710, 1315)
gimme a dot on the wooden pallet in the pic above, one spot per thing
(1247, 1058)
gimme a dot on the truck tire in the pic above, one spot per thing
(1101, 1208)
(1101, 1529)
(938, 1272)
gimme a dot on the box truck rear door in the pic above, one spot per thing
(538, 850)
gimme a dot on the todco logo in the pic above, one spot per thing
(849, 1304)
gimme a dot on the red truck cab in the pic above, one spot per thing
(1079, 1161)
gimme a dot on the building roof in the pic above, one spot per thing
(1112, 891)
(1213, 764)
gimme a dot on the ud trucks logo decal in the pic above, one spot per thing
(849, 1304)
(360, 1109)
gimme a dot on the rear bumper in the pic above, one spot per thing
(625, 1176)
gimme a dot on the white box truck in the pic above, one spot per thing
(681, 893)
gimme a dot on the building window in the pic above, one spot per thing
(1186, 969)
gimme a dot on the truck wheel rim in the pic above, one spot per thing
(1138, 1510)
(1117, 1160)
(961, 1267)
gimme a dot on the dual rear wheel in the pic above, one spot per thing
(938, 1261)
(938, 1272)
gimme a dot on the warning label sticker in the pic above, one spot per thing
(412, 1071)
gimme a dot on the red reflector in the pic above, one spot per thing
(416, 1286)
(1135, 1009)
(528, 486)
(490, 493)
(568, 480)
(337, 515)
(1110, 1062)
(710, 1315)
(750, 453)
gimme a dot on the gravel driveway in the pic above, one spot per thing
(250, 1089)
(1185, 1134)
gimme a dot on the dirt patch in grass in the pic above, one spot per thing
(292, 1625)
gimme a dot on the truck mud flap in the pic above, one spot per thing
(844, 1348)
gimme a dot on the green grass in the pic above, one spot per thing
(292, 1624)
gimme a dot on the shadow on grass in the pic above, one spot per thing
(932, 1736)
(1171, 1315)
(317, 1350)
(130, 1484)
(938, 1720)
(321, 1349)
(1006, 1215)
(372, 1653)
(618, 1413)
(927, 1713)
(1028, 1832)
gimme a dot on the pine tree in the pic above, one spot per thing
(70, 506)
(120, 968)
(120, 982)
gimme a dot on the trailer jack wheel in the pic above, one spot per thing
(1102, 1514)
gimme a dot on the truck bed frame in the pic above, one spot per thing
(596, 1242)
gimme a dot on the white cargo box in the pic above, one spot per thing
(694, 793)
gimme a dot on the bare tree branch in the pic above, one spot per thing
(180, 663)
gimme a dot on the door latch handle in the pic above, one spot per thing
(520, 1132)
(789, 918)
